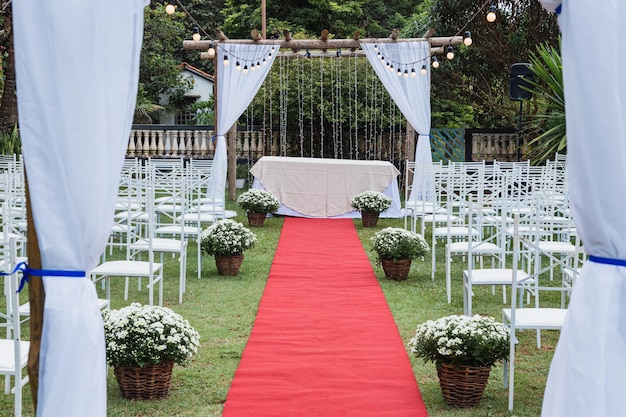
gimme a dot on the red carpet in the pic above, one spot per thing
(324, 342)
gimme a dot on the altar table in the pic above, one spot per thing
(322, 187)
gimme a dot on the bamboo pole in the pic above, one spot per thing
(36, 297)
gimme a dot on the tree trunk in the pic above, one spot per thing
(8, 104)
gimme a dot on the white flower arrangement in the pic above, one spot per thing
(141, 335)
(461, 340)
(256, 200)
(398, 243)
(371, 201)
(226, 237)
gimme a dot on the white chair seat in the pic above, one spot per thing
(158, 245)
(537, 318)
(477, 247)
(176, 230)
(123, 268)
(103, 303)
(495, 276)
(556, 247)
(457, 231)
(7, 355)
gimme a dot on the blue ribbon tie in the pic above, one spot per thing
(607, 261)
(26, 272)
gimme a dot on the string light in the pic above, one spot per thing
(450, 52)
(491, 16)
(413, 73)
(245, 69)
(226, 60)
(406, 74)
(467, 39)
(391, 68)
(170, 8)
(196, 34)
(399, 72)
(435, 62)
(423, 70)
(252, 67)
(238, 66)
(264, 61)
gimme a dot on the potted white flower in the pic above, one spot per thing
(143, 343)
(396, 248)
(370, 204)
(464, 349)
(227, 240)
(258, 203)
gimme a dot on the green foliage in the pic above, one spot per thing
(549, 97)
(10, 143)
(478, 75)
(158, 67)
(204, 112)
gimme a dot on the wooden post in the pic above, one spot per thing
(232, 162)
(36, 297)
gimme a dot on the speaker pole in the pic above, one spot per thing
(519, 132)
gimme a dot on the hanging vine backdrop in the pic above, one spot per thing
(326, 107)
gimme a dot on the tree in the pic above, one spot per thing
(478, 75)
(8, 104)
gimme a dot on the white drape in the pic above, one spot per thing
(589, 363)
(235, 91)
(411, 95)
(77, 68)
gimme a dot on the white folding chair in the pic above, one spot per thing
(535, 318)
(13, 350)
(132, 267)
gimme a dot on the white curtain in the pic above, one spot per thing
(235, 90)
(411, 95)
(589, 363)
(77, 66)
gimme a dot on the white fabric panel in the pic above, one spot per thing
(77, 69)
(235, 91)
(550, 5)
(411, 95)
(589, 363)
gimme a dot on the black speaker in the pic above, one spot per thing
(518, 78)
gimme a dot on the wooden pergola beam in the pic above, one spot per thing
(318, 44)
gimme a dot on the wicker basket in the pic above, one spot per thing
(462, 386)
(397, 269)
(369, 219)
(228, 265)
(152, 381)
(256, 219)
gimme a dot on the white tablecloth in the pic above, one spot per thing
(320, 187)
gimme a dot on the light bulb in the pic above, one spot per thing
(245, 69)
(399, 72)
(491, 16)
(252, 67)
(170, 8)
(413, 73)
(406, 74)
(196, 34)
(238, 66)
(435, 62)
(211, 51)
(467, 40)
(423, 70)
(391, 68)
(450, 53)
(226, 60)
(375, 47)
(264, 61)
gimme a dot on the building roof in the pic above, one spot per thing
(196, 71)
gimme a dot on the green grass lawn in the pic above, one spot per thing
(223, 309)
